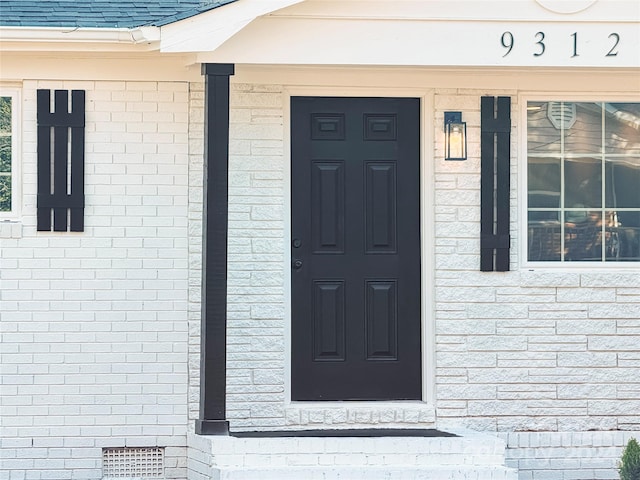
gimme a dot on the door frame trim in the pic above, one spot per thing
(427, 231)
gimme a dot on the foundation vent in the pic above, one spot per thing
(133, 463)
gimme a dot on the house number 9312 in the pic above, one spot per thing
(507, 40)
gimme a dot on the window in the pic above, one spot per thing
(583, 181)
(8, 152)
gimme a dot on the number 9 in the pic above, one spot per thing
(507, 42)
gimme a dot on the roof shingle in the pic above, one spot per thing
(100, 13)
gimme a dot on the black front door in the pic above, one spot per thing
(355, 248)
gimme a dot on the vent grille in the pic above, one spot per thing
(133, 463)
(561, 114)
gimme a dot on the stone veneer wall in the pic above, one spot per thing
(256, 290)
(552, 350)
(548, 350)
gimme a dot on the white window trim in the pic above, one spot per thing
(522, 193)
(16, 183)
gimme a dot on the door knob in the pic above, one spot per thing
(297, 264)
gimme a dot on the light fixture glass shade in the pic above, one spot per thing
(455, 143)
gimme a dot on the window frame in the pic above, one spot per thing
(522, 184)
(16, 184)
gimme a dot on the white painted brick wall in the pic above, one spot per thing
(94, 324)
(99, 329)
(472, 455)
(196, 149)
(199, 457)
(563, 455)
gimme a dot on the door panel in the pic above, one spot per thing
(328, 321)
(380, 207)
(327, 207)
(355, 248)
(382, 320)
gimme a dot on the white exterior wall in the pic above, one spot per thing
(97, 334)
(256, 245)
(566, 455)
(257, 278)
(551, 350)
(94, 324)
(255, 355)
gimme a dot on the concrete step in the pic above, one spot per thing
(470, 456)
(385, 472)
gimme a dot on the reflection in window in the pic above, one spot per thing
(583, 181)
(6, 156)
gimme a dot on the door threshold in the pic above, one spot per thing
(346, 432)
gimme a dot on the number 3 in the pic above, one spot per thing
(540, 42)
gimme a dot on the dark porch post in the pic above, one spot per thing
(213, 344)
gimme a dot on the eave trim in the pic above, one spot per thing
(80, 35)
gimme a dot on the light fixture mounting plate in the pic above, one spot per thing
(452, 117)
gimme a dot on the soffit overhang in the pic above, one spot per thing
(401, 33)
(474, 33)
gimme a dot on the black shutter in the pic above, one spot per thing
(61, 176)
(495, 183)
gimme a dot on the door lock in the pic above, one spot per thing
(297, 264)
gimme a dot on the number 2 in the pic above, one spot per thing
(541, 43)
(613, 52)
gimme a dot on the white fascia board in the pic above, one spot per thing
(23, 38)
(209, 30)
(471, 10)
(329, 41)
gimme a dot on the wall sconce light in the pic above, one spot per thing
(455, 136)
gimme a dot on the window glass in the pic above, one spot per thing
(623, 182)
(583, 235)
(544, 236)
(543, 180)
(542, 136)
(583, 128)
(583, 181)
(6, 153)
(621, 128)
